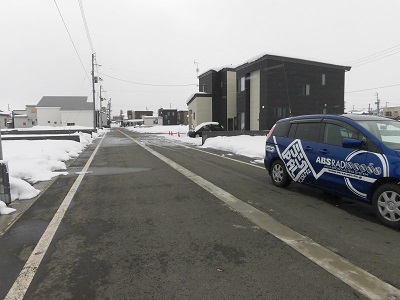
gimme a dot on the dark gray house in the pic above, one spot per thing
(254, 95)
(216, 100)
(169, 116)
(274, 87)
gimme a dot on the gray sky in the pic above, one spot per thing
(155, 42)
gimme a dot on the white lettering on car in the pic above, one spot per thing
(299, 167)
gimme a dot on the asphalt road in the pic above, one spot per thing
(190, 224)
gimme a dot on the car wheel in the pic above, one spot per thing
(279, 175)
(386, 204)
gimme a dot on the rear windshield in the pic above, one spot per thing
(387, 131)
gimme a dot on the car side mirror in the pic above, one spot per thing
(351, 143)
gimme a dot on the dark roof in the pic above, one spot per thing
(292, 60)
(66, 102)
(197, 95)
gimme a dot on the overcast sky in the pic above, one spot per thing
(147, 48)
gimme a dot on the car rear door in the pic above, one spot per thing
(298, 151)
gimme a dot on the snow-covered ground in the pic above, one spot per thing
(33, 161)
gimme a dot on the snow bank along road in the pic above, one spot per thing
(150, 218)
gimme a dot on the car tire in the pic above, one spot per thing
(386, 204)
(279, 175)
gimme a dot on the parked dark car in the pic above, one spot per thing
(356, 156)
(206, 126)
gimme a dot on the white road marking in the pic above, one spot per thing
(357, 278)
(239, 161)
(25, 277)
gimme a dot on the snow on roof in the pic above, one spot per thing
(193, 95)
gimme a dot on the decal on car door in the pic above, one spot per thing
(298, 166)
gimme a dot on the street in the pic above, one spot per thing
(152, 218)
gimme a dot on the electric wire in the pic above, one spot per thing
(86, 26)
(148, 84)
(375, 54)
(76, 51)
(375, 88)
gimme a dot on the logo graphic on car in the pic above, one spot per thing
(299, 167)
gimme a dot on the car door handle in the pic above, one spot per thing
(308, 148)
(324, 151)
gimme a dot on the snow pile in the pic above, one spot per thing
(31, 161)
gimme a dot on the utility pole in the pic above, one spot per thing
(377, 104)
(109, 112)
(94, 93)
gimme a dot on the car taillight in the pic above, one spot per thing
(270, 132)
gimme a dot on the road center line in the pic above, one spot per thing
(25, 277)
(360, 280)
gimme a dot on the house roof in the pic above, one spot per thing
(263, 57)
(66, 102)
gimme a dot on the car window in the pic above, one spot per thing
(387, 131)
(306, 131)
(334, 134)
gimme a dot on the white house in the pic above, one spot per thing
(4, 119)
(25, 118)
(65, 111)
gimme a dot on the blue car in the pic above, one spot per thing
(356, 156)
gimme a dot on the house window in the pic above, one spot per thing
(24, 123)
(55, 122)
(70, 124)
(306, 90)
(173, 114)
(242, 121)
(48, 122)
(323, 79)
(204, 88)
(194, 116)
(242, 84)
(281, 112)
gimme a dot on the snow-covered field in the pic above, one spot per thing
(33, 161)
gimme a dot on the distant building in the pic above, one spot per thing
(169, 116)
(138, 114)
(152, 121)
(183, 117)
(65, 111)
(391, 112)
(5, 119)
(25, 118)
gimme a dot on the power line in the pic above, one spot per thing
(65, 25)
(148, 84)
(379, 58)
(86, 26)
(374, 54)
(375, 88)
